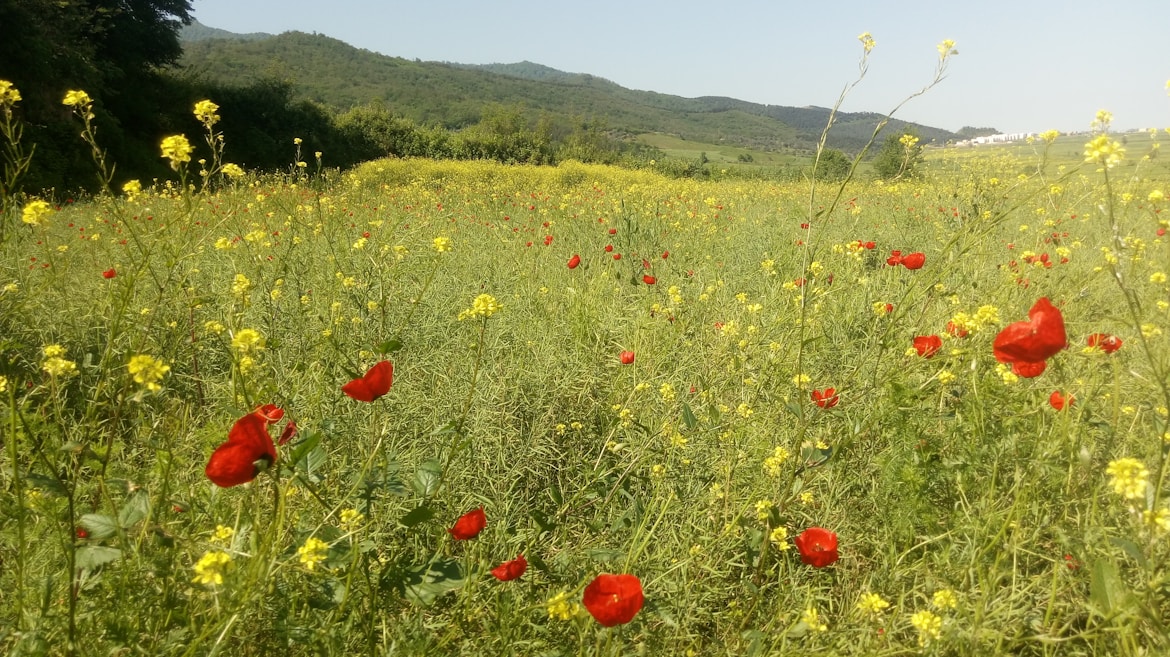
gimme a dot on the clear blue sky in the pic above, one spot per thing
(1024, 65)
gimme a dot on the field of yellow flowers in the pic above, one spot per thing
(463, 408)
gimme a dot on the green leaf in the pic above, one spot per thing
(305, 446)
(1131, 549)
(134, 510)
(1107, 593)
(689, 418)
(99, 526)
(427, 477)
(390, 346)
(605, 555)
(90, 557)
(542, 520)
(423, 584)
(46, 484)
(418, 515)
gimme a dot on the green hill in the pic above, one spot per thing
(336, 74)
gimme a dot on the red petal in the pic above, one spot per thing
(510, 570)
(234, 463)
(469, 525)
(290, 430)
(373, 385)
(613, 599)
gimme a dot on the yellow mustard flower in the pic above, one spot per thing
(312, 553)
(1129, 478)
(76, 98)
(147, 371)
(35, 212)
(211, 567)
(177, 149)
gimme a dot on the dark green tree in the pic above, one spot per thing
(833, 165)
(112, 49)
(899, 156)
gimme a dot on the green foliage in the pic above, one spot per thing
(833, 165)
(336, 74)
(898, 157)
(113, 50)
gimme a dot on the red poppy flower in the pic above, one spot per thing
(234, 462)
(1060, 400)
(927, 345)
(613, 231)
(510, 570)
(1105, 342)
(665, 255)
(290, 430)
(826, 398)
(627, 357)
(914, 260)
(574, 261)
(109, 273)
(870, 246)
(613, 599)
(1035, 340)
(895, 258)
(608, 248)
(649, 280)
(1029, 370)
(617, 256)
(373, 385)
(956, 330)
(548, 239)
(817, 547)
(469, 525)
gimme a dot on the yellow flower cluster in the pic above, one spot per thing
(1104, 151)
(247, 341)
(946, 48)
(241, 285)
(211, 567)
(945, 599)
(55, 364)
(560, 608)
(812, 619)
(1049, 136)
(9, 95)
(441, 244)
(929, 626)
(485, 305)
(177, 149)
(867, 41)
(132, 189)
(147, 371)
(779, 538)
(908, 141)
(222, 534)
(3, 383)
(351, 519)
(232, 171)
(773, 463)
(872, 603)
(312, 553)
(1129, 478)
(205, 111)
(76, 99)
(34, 212)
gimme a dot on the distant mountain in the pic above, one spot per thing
(197, 31)
(337, 74)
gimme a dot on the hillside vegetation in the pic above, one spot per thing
(341, 76)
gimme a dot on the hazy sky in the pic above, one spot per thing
(1023, 65)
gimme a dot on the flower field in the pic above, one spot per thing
(430, 407)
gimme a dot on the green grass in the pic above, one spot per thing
(936, 474)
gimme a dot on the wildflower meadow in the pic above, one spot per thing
(431, 407)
